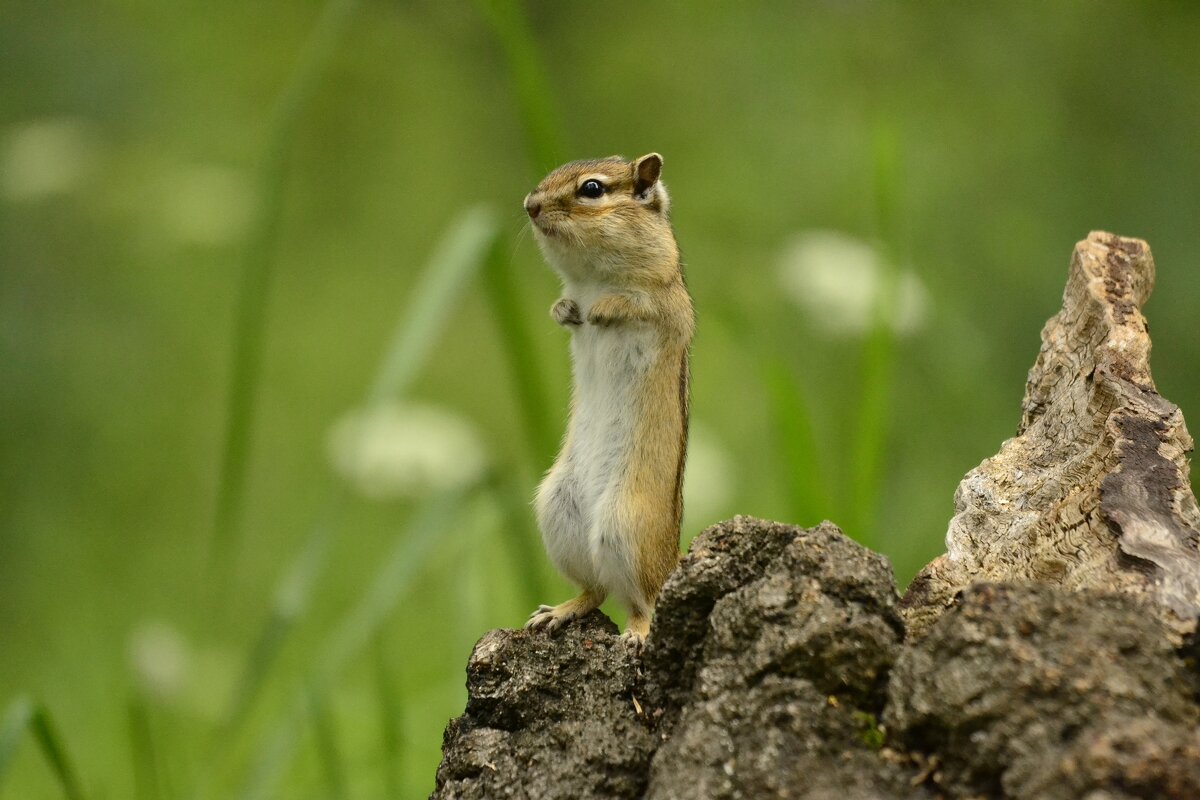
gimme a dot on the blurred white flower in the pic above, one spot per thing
(837, 279)
(159, 658)
(707, 479)
(45, 157)
(405, 450)
(206, 204)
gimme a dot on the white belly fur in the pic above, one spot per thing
(577, 503)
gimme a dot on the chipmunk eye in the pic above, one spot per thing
(592, 189)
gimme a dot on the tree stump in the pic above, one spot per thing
(1093, 491)
(1072, 574)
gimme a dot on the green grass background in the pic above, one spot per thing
(171, 369)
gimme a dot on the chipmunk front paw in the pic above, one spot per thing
(602, 320)
(566, 312)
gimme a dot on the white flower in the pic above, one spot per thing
(707, 479)
(44, 158)
(206, 204)
(159, 658)
(405, 450)
(837, 279)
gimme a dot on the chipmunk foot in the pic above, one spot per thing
(554, 617)
(636, 631)
(635, 643)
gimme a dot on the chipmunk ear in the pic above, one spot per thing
(645, 173)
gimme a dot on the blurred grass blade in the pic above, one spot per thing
(512, 497)
(328, 752)
(391, 720)
(527, 73)
(355, 632)
(147, 785)
(16, 722)
(871, 431)
(871, 428)
(885, 159)
(473, 572)
(290, 601)
(537, 420)
(25, 715)
(808, 497)
(460, 254)
(771, 336)
(257, 266)
(46, 735)
(404, 562)
(520, 351)
(466, 248)
(545, 143)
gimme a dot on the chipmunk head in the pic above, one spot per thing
(603, 214)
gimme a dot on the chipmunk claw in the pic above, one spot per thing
(558, 623)
(552, 618)
(548, 618)
(634, 642)
(540, 618)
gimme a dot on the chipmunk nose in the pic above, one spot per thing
(532, 206)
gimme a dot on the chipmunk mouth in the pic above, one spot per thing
(545, 227)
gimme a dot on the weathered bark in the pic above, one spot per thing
(549, 717)
(1093, 491)
(762, 677)
(1034, 692)
(769, 658)
(774, 653)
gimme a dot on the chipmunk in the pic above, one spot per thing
(610, 508)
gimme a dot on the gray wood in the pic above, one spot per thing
(1093, 491)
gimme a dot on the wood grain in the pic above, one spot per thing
(1093, 491)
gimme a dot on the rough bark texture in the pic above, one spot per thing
(1039, 658)
(549, 718)
(1034, 692)
(769, 658)
(762, 677)
(774, 653)
(1093, 491)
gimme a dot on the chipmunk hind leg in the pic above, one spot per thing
(634, 553)
(654, 565)
(564, 532)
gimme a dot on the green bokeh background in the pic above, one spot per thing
(972, 143)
